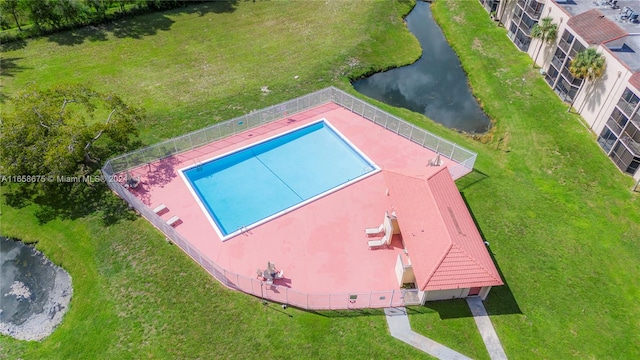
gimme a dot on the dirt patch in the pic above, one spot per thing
(477, 46)
(459, 19)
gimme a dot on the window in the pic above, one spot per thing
(606, 139)
(522, 40)
(517, 13)
(628, 101)
(551, 76)
(633, 166)
(617, 121)
(527, 23)
(558, 58)
(512, 29)
(577, 47)
(633, 133)
(565, 90)
(567, 36)
(623, 158)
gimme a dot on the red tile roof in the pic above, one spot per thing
(594, 27)
(438, 231)
(635, 80)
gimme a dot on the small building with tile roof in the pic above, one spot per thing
(450, 258)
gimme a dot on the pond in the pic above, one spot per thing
(435, 85)
(34, 293)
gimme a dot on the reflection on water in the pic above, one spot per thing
(435, 85)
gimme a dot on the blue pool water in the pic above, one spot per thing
(256, 183)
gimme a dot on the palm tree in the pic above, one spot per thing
(546, 32)
(588, 65)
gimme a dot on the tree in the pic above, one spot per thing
(546, 31)
(14, 7)
(45, 13)
(61, 133)
(588, 65)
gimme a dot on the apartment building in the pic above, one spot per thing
(609, 105)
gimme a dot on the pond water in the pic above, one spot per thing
(34, 293)
(435, 85)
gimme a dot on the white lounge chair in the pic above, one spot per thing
(160, 209)
(385, 240)
(379, 229)
(373, 231)
(174, 221)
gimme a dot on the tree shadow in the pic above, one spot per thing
(9, 68)
(79, 35)
(216, 7)
(137, 26)
(14, 44)
(69, 201)
(141, 26)
(162, 172)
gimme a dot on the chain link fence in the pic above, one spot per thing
(465, 160)
(463, 157)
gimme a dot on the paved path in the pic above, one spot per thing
(489, 336)
(400, 328)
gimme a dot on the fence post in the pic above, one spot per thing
(393, 292)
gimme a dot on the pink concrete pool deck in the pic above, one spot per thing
(322, 246)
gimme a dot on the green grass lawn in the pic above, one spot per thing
(563, 226)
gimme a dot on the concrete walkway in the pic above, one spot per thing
(488, 333)
(400, 328)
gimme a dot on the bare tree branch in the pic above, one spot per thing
(41, 118)
(100, 132)
(64, 104)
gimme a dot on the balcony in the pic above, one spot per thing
(614, 126)
(534, 12)
(564, 45)
(550, 79)
(522, 46)
(557, 63)
(574, 81)
(631, 144)
(625, 107)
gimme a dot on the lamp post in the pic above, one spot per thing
(522, 86)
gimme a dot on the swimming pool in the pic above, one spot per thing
(257, 183)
